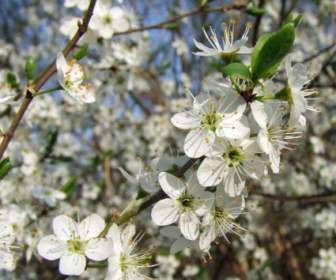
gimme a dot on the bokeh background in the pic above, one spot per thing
(141, 78)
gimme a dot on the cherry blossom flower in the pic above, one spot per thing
(274, 135)
(73, 242)
(220, 220)
(228, 47)
(231, 163)
(295, 93)
(186, 202)
(71, 77)
(126, 263)
(106, 20)
(210, 117)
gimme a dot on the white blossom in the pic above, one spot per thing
(72, 242)
(228, 47)
(125, 262)
(231, 163)
(186, 202)
(210, 118)
(71, 77)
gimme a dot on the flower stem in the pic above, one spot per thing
(47, 91)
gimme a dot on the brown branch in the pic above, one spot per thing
(44, 77)
(320, 52)
(199, 10)
(304, 200)
(107, 177)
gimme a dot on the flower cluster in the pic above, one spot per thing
(237, 131)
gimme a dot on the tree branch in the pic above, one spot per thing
(44, 77)
(199, 10)
(304, 200)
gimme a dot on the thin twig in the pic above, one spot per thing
(199, 10)
(44, 77)
(304, 200)
(320, 52)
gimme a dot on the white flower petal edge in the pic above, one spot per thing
(51, 248)
(72, 264)
(165, 212)
(171, 185)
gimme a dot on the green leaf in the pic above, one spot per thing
(51, 142)
(254, 10)
(81, 52)
(294, 20)
(5, 167)
(69, 186)
(237, 69)
(270, 51)
(11, 80)
(30, 68)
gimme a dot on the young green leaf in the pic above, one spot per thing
(11, 80)
(254, 10)
(270, 51)
(30, 68)
(81, 52)
(69, 186)
(51, 142)
(294, 20)
(237, 69)
(5, 167)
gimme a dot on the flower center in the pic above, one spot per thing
(107, 20)
(186, 201)
(234, 156)
(210, 121)
(221, 214)
(77, 246)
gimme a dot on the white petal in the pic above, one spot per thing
(232, 105)
(61, 64)
(299, 77)
(198, 142)
(186, 120)
(165, 212)
(171, 185)
(274, 157)
(114, 235)
(232, 185)
(51, 248)
(128, 233)
(72, 264)
(211, 172)
(233, 130)
(189, 225)
(263, 141)
(259, 114)
(99, 249)
(206, 237)
(91, 227)
(65, 228)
